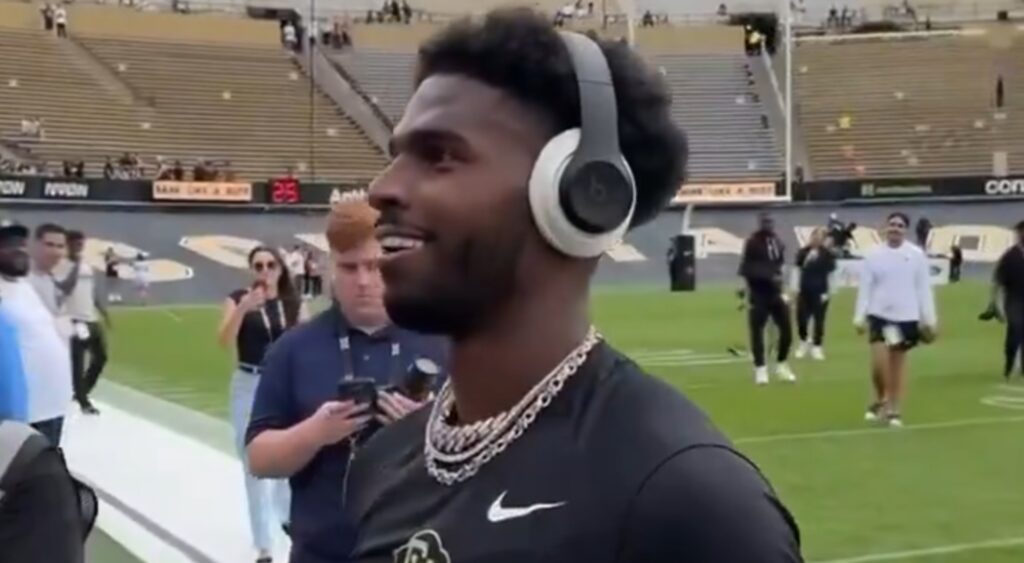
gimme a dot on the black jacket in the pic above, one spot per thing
(761, 266)
(816, 265)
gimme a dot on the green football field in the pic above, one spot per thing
(946, 488)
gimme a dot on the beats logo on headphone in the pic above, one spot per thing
(582, 192)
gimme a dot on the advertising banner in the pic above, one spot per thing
(234, 192)
(739, 192)
(979, 187)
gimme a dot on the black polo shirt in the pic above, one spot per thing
(1010, 273)
(301, 371)
(620, 468)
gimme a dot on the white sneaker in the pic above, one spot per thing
(761, 375)
(818, 353)
(801, 350)
(895, 422)
(783, 372)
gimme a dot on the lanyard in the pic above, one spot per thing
(266, 320)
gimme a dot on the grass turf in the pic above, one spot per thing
(951, 477)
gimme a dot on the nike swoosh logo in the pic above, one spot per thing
(498, 513)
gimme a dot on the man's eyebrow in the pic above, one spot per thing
(421, 137)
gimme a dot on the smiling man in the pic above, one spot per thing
(521, 157)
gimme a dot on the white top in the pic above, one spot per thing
(44, 352)
(141, 268)
(894, 285)
(81, 304)
(296, 263)
(45, 287)
(61, 16)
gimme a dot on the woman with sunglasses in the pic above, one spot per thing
(253, 319)
(813, 285)
(896, 306)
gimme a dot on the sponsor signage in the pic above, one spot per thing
(740, 192)
(983, 187)
(235, 192)
(70, 189)
(1004, 186)
(12, 188)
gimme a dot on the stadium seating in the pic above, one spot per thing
(915, 108)
(39, 77)
(248, 105)
(713, 99)
(176, 86)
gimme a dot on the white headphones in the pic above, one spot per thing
(582, 192)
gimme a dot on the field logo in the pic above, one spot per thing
(1006, 397)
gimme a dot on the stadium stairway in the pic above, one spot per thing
(705, 68)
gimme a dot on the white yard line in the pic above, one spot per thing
(965, 422)
(174, 316)
(938, 550)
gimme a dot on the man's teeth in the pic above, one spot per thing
(394, 243)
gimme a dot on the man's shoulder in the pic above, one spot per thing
(319, 327)
(642, 410)
(434, 346)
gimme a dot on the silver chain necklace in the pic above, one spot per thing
(456, 453)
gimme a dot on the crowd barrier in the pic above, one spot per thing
(281, 192)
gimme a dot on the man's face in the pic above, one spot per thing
(895, 230)
(48, 250)
(766, 224)
(357, 284)
(455, 221)
(14, 259)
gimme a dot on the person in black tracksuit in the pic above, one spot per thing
(1008, 282)
(761, 266)
(815, 264)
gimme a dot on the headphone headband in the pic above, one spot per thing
(599, 139)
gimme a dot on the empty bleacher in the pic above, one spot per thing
(181, 87)
(246, 104)
(915, 108)
(712, 93)
(39, 77)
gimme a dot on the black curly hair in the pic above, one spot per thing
(519, 51)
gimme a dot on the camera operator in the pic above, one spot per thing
(300, 428)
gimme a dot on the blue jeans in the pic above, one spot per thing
(52, 429)
(268, 499)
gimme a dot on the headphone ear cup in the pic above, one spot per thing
(546, 205)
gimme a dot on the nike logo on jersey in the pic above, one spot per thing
(498, 513)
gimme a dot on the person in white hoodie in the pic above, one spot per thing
(896, 306)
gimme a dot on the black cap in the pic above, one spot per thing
(10, 229)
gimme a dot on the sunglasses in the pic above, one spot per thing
(268, 266)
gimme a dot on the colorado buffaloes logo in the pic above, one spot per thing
(424, 547)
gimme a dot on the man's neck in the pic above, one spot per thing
(492, 369)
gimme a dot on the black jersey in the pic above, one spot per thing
(620, 468)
